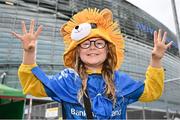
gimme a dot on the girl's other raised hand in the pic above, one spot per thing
(28, 38)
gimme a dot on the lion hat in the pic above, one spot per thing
(90, 23)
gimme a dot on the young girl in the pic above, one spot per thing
(93, 54)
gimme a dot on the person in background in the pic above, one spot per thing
(94, 52)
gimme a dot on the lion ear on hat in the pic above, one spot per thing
(107, 14)
(62, 30)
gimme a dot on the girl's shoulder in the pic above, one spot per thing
(68, 72)
(119, 75)
(123, 78)
(67, 75)
(125, 84)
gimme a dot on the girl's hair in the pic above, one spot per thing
(107, 72)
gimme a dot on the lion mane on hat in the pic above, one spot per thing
(87, 24)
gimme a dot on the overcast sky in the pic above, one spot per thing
(160, 9)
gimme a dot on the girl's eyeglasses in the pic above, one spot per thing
(97, 43)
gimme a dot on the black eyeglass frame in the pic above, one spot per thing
(95, 44)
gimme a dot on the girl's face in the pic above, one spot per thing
(93, 53)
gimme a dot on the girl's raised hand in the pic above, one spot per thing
(159, 45)
(28, 38)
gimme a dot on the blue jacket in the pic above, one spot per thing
(64, 87)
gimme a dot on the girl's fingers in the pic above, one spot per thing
(155, 37)
(31, 30)
(169, 44)
(39, 30)
(164, 37)
(28, 34)
(24, 27)
(159, 35)
(17, 35)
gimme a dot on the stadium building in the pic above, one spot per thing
(136, 25)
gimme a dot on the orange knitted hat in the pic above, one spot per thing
(90, 23)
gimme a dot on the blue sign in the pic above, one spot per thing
(148, 29)
(144, 28)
